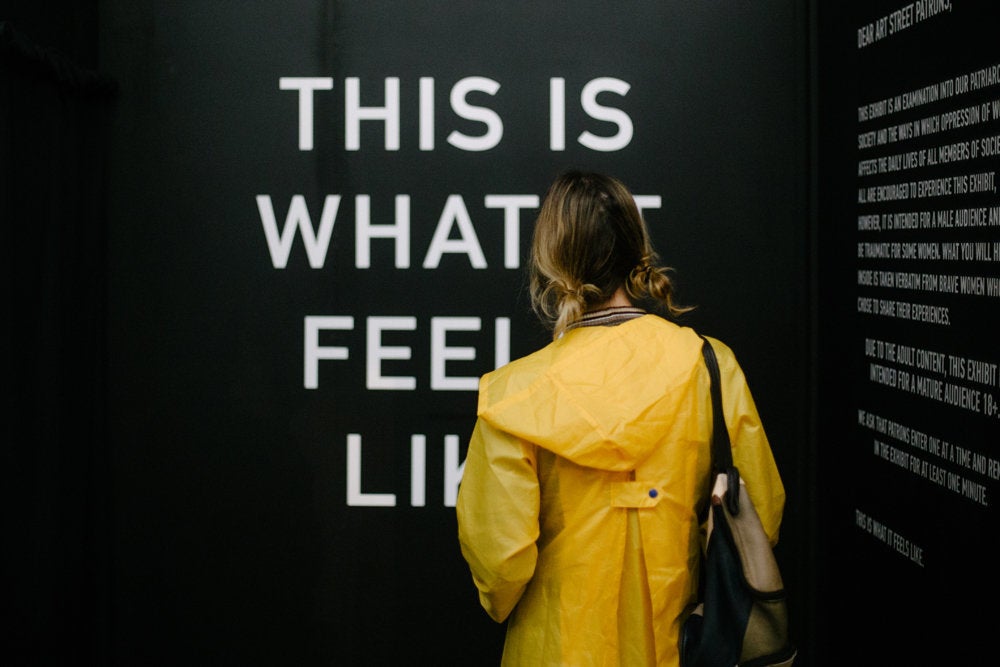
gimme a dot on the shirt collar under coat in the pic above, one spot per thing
(601, 396)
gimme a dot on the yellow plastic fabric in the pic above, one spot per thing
(603, 424)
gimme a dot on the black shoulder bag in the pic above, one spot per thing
(741, 617)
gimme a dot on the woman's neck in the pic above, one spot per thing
(618, 299)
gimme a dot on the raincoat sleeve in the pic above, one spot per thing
(497, 510)
(751, 450)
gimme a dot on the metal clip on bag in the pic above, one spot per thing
(742, 616)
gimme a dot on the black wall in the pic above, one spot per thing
(183, 496)
(54, 138)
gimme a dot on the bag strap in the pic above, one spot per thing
(722, 455)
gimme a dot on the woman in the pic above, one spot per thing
(578, 507)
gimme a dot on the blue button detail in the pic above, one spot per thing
(653, 493)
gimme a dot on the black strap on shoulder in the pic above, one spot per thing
(722, 455)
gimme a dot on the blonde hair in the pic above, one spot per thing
(589, 240)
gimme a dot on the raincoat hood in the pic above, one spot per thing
(602, 397)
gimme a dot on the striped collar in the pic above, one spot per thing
(607, 317)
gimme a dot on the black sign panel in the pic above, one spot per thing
(320, 214)
(910, 222)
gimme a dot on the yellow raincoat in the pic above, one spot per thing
(577, 506)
